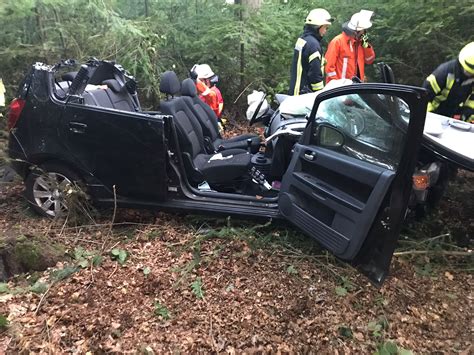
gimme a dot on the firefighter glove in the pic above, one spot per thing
(365, 40)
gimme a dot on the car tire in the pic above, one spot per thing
(47, 189)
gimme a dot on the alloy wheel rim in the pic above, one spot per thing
(49, 191)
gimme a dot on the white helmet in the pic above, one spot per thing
(203, 71)
(361, 20)
(319, 17)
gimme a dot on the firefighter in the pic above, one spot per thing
(349, 51)
(202, 74)
(220, 101)
(307, 69)
(451, 86)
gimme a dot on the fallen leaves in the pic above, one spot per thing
(233, 297)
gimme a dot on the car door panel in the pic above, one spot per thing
(344, 193)
(352, 198)
(121, 149)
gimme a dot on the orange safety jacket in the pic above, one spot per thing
(344, 55)
(220, 100)
(208, 96)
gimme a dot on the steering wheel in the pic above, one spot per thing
(255, 114)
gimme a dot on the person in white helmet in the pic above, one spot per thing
(202, 75)
(349, 51)
(306, 68)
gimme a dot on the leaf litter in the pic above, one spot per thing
(175, 283)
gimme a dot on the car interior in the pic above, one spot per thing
(211, 163)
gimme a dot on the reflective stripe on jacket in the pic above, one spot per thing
(342, 55)
(450, 91)
(306, 74)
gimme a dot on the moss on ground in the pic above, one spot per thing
(20, 254)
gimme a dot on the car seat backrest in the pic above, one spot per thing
(119, 96)
(115, 96)
(97, 97)
(169, 83)
(206, 117)
(69, 76)
(189, 130)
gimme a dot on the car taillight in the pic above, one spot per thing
(14, 112)
(421, 181)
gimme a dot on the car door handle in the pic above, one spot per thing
(77, 127)
(310, 155)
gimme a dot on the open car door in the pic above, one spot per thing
(350, 176)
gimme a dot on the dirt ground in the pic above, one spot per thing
(161, 283)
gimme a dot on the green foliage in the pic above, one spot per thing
(4, 288)
(85, 258)
(378, 327)
(391, 348)
(345, 331)
(39, 287)
(3, 322)
(150, 36)
(196, 287)
(161, 311)
(97, 260)
(345, 286)
(424, 269)
(146, 271)
(120, 255)
(341, 291)
(375, 328)
(61, 274)
(291, 270)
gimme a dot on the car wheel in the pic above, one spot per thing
(49, 189)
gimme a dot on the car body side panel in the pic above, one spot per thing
(125, 151)
(33, 140)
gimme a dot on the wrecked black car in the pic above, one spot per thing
(87, 127)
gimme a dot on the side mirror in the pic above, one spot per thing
(329, 137)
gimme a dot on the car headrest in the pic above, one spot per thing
(188, 88)
(169, 83)
(69, 76)
(113, 84)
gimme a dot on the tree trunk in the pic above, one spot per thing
(39, 24)
(240, 15)
(60, 30)
(252, 4)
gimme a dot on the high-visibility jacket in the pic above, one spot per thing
(346, 58)
(208, 96)
(451, 92)
(306, 73)
(220, 100)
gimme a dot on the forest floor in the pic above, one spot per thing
(152, 282)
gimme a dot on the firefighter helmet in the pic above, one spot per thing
(203, 71)
(319, 17)
(466, 58)
(360, 20)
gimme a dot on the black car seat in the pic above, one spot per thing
(114, 96)
(208, 121)
(69, 76)
(219, 168)
(119, 96)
